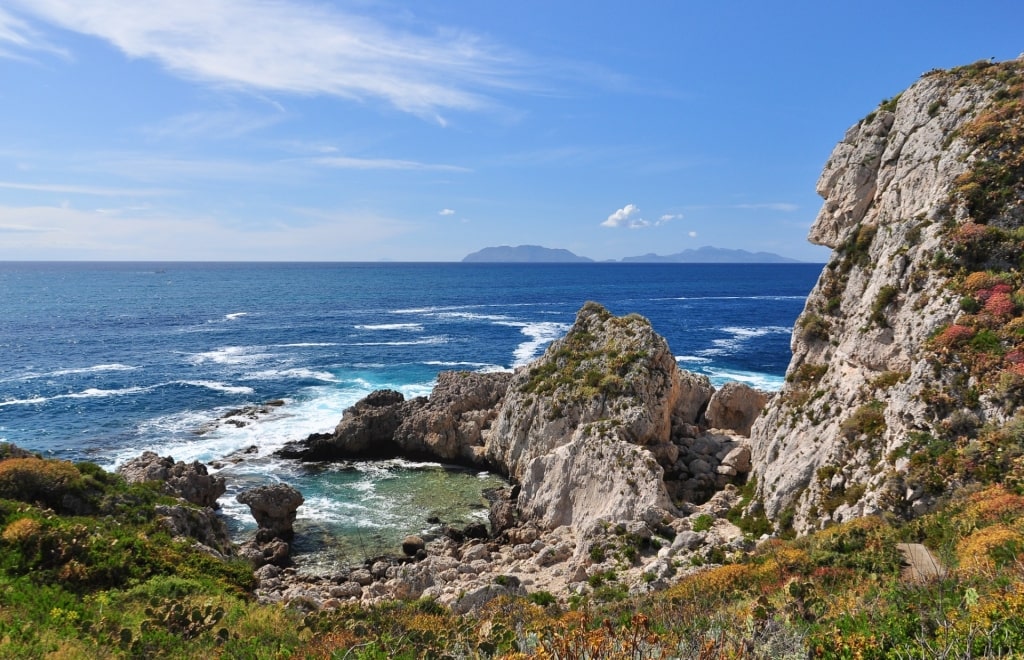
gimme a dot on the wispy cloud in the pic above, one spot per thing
(212, 125)
(785, 207)
(16, 37)
(72, 189)
(446, 212)
(669, 217)
(298, 47)
(349, 163)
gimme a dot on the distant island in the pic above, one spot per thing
(704, 255)
(524, 254)
(713, 255)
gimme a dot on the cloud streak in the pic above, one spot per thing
(349, 163)
(294, 47)
(16, 36)
(71, 189)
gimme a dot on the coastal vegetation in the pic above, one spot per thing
(112, 583)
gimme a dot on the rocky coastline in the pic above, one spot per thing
(620, 463)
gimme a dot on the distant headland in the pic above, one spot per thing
(703, 255)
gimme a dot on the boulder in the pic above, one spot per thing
(274, 508)
(412, 544)
(189, 481)
(735, 407)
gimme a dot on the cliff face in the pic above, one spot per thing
(580, 428)
(902, 369)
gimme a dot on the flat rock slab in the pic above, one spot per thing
(920, 565)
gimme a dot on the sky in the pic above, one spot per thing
(302, 130)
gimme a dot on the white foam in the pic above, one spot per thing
(692, 358)
(288, 374)
(98, 368)
(410, 327)
(314, 410)
(235, 315)
(760, 381)
(473, 316)
(219, 387)
(540, 334)
(307, 344)
(230, 355)
(739, 336)
(89, 393)
(426, 341)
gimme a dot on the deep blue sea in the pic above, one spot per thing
(101, 361)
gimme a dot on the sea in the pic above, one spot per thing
(102, 361)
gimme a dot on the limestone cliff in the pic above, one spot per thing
(908, 356)
(580, 428)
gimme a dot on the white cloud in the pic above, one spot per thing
(629, 216)
(17, 35)
(623, 217)
(349, 163)
(295, 46)
(446, 212)
(72, 189)
(692, 234)
(669, 217)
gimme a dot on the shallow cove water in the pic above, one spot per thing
(102, 361)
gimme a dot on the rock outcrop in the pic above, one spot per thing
(274, 509)
(908, 345)
(735, 407)
(189, 481)
(449, 426)
(583, 427)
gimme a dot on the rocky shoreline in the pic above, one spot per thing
(623, 469)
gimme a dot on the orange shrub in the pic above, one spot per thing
(22, 531)
(37, 480)
(979, 552)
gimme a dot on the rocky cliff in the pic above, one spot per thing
(908, 357)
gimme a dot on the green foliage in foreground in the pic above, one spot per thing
(112, 584)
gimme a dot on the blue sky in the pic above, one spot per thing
(422, 131)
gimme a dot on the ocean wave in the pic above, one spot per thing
(473, 316)
(307, 344)
(297, 373)
(98, 368)
(761, 381)
(692, 358)
(426, 341)
(725, 345)
(409, 327)
(235, 315)
(219, 387)
(90, 393)
(230, 355)
(540, 333)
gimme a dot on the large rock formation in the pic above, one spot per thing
(907, 357)
(580, 427)
(449, 426)
(189, 481)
